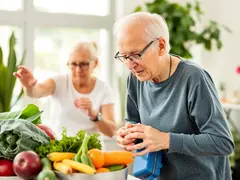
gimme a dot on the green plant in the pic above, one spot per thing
(7, 80)
(183, 26)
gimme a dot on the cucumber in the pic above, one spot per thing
(46, 164)
(46, 173)
(115, 167)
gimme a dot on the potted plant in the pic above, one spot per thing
(182, 25)
(7, 80)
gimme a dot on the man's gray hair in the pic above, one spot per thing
(155, 26)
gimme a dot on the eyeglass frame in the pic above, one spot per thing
(81, 65)
(138, 54)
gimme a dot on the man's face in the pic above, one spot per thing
(132, 43)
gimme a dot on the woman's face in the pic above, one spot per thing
(81, 66)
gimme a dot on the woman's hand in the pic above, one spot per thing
(86, 105)
(25, 76)
(120, 137)
(153, 139)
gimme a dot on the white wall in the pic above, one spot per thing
(222, 64)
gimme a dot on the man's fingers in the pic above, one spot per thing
(119, 139)
(137, 146)
(135, 135)
(123, 132)
(141, 153)
(135, 129)
(123, 141)
(128, 125)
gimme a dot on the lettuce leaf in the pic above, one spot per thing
(30, 113)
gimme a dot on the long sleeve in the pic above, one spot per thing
(205, 111)
(132, 113)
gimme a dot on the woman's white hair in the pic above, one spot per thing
(155, 26)
(91, 47)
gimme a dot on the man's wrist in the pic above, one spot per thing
(167, 137)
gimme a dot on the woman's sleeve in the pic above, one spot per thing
(109, 97)
(59, 81)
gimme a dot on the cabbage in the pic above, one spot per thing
(19, 135)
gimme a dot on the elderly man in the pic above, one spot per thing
(172, 104)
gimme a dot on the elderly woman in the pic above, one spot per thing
(172, 104)
(80, 100)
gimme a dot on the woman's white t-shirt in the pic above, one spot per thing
(65, 114)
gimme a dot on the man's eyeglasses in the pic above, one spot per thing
(132, 57)
(82, 66)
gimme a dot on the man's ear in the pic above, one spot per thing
(96, 63)
(162, 46)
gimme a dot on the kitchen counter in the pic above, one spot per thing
(130, 177)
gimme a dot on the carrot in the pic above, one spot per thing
(97, 157)
(117, 157)
(102, 170)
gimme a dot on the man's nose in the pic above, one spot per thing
(78, 69)
(130, 64)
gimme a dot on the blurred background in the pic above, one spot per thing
(204, 31)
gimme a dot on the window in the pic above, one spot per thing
(53, 45)
(11, 5)
(47, 29)
(86, 7)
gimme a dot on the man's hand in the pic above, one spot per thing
(120, 137)
(86, 105)
(153, 139)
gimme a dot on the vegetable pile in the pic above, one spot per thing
(89, 161)
(30, 150)
(69, 143)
